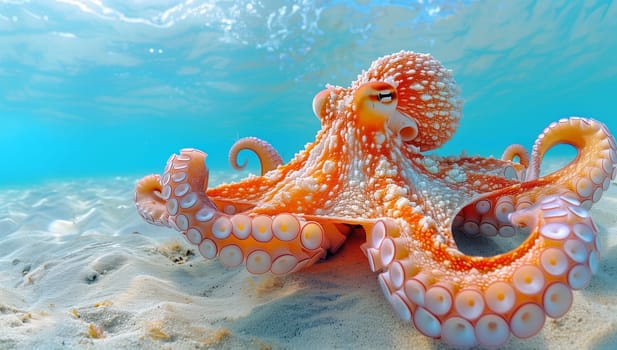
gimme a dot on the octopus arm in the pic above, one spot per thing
(584, 179)
(268, 156)
(278, 243)
(589, 174)
(248, 191)
(481, 175)
(503, 169)
(253, 190)
(516, 151)
(468, 300)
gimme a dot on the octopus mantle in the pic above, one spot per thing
(367, 168)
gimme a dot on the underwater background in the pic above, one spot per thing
(94, 88)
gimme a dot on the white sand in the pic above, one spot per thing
(80, 269)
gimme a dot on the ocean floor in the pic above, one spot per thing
(80, 269)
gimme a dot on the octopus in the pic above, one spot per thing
(369, 170)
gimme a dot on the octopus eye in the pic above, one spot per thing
(385, 96)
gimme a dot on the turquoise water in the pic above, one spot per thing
(99, 88)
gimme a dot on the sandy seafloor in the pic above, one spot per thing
(80, 269)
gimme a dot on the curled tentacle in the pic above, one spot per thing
(516, 151)
(589, 137)
(149, 202)
(269, 158)
(279, 244)
(584, 179)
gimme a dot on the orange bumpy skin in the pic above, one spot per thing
(366, 168)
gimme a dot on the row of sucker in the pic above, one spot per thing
(279, 244)
(488, 216)
(148, 201)
(515, 302)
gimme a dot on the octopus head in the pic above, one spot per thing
(413, 95)
(410, 94)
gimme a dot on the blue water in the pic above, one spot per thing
(99, 88)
